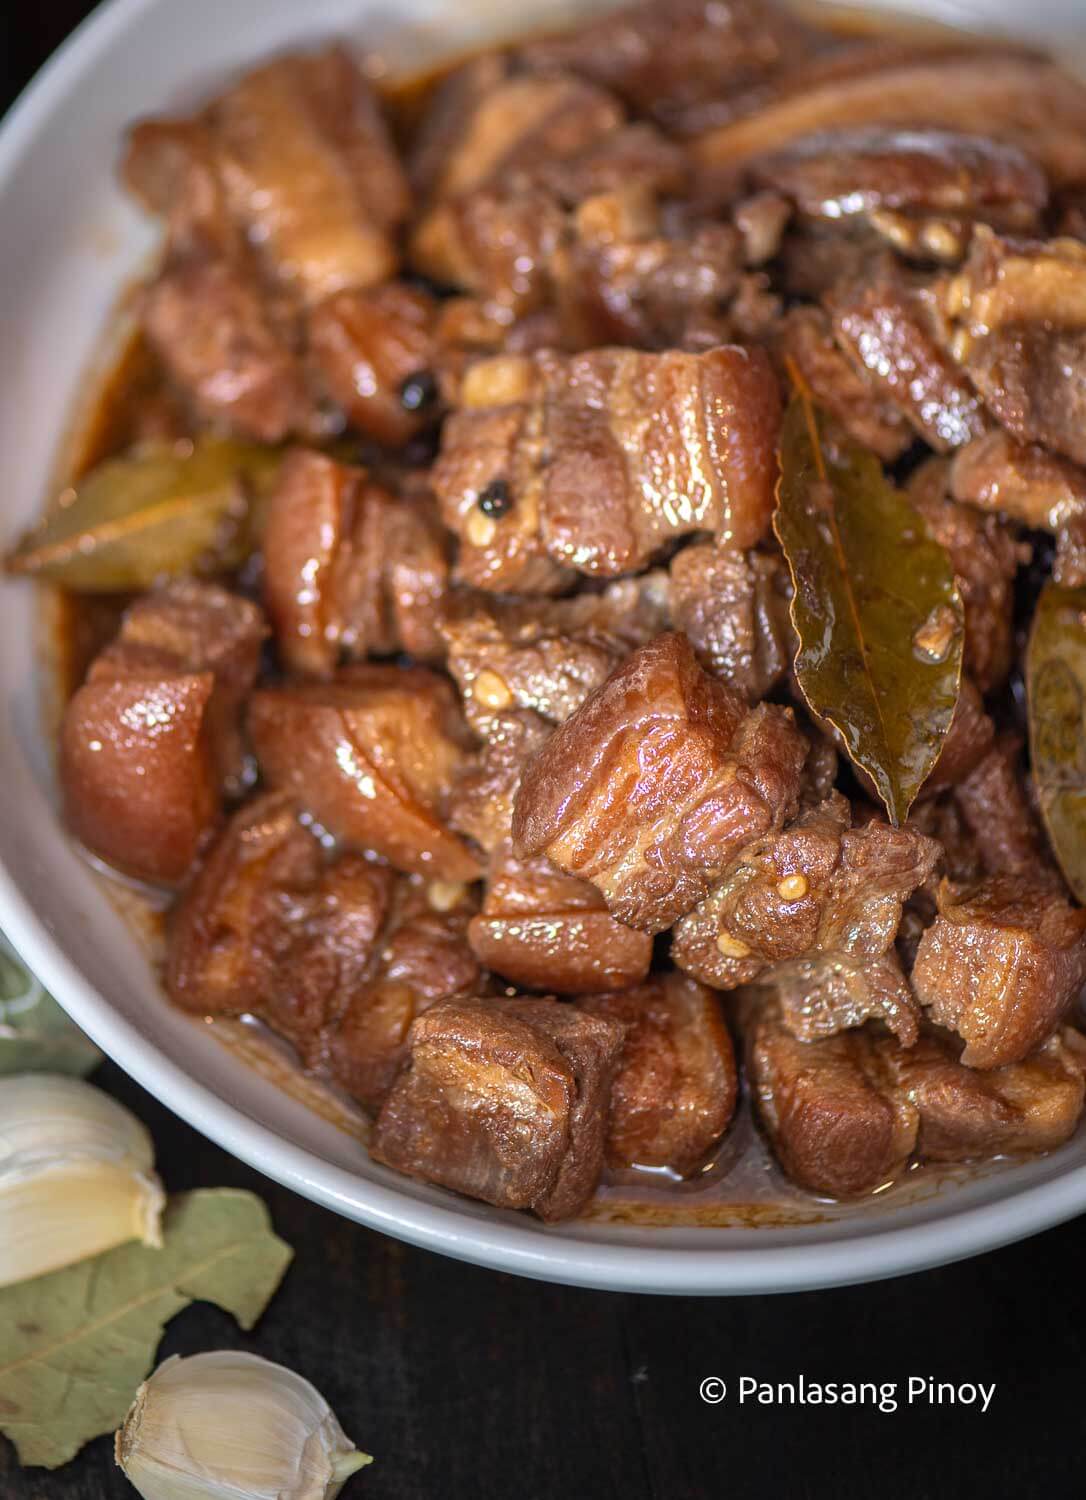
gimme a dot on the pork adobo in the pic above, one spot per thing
(570, 548)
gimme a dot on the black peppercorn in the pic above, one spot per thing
(495, 500)
(419, 391)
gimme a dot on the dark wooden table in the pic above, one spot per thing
(468, 1385)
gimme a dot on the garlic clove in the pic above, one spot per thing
(76, 1175)
(227, 1425)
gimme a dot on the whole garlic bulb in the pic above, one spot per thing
(232, 1426)
(76, 1175)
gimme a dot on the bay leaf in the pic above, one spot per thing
(163, 510)
(75, 1344)
(35, 1034)
(1056, 698)
(875, 605)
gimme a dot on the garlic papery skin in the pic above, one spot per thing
(232, 1426)
(76, 1175)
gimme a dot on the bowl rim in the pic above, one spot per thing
(501, 1243)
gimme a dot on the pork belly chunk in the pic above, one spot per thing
(834, 1124)
(1001, 964)
(1026, 483)
(844, 1115)
(593, 463)
(488, 122)
(545, 655)
(284, 192)
(923, 189)
(270, 927)
(656, 782)
(1020, 312)
(676, 1086)
(998, 816)
(674, 58)
(423, 957)
(733, 608)
(1018, 480)
(350, 570)
(1032, 1105)
(814, 910)
(481, 805)
(504, 1100)
(152, 739)
(372, 756)
(889, 329)
(1028, 102)
(968, 740)
(208, 323)
(985, 554)
(804, 335)
(628, 272)
(310, 172)
(375, 351)
(221, 341)
(544, 930)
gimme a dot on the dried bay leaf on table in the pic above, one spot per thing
(163, 510)
(876, 606)
(35, 1034)
(74, 1345)
(1056, 695)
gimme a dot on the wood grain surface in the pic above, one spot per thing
(467, 1385)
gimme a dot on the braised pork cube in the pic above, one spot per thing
(922, 189)
(1001, 964)
(1020, 311)
(814, 910)
(481, 805)
(845, 1114)
(595, 462)
(656, 782)
(495, 244)
(544, 930)
(1032, 1105)
(270, 928)
(152, 738)
(372, 756)
(888, 328)
(623, 277)
(1018, 480)
(286, 190)
(376, 353)
(733, 607)
(195, 627)
(350, 570)
(836, 1126)
(968, 740)
(208, 323)
(172, 167)
(805, 337)
(423, 957)
(1028, 102)
(504, 1100)
(205, 315)
(637, 153)
(985, 556)
(546, 655)
(510, 124)
(674, 59)
(675, 1090)
(310, 173)
(997, 813)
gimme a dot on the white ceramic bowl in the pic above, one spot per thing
(69, 243)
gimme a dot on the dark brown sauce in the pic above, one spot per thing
(742, 1187)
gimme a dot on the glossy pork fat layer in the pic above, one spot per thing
(459, 686)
